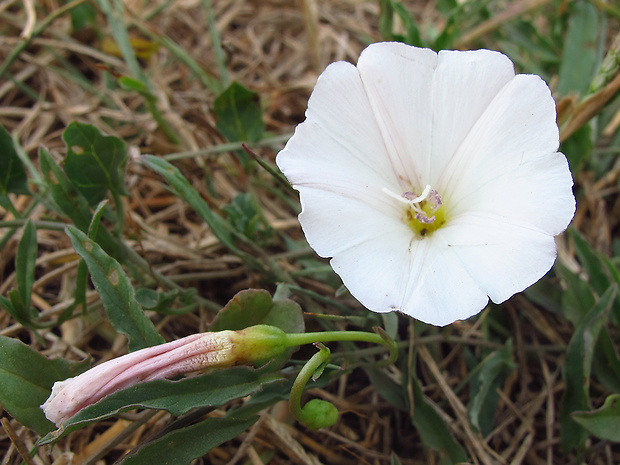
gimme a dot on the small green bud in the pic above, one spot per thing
(260, 342)
(319, 413)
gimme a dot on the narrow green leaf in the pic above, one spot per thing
(577, 368)
(600, 270)
(7, 304)
(115, 13)
(432, 429)
(95, 163)
(26, 378)
(220, 227)
(24, 264)
(387, 388)
(18, 309)
(178, 397)
(181, 446)
(12, 173)
(68, 199)
(490, 375)
(606, 362)
(245, 216)
(413, 36)
(604, 423)
(591, 262)
(128, 83)
(386, 19)
(579, 56)
(239, 114)
(578, 148)
(93, 228)
(163, 302)
(578, 298)
(73, 204)
(186, 191)
(116, 292)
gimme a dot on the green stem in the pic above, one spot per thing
(333, 336)
(49, 225)
(309, 415)
(216, 44)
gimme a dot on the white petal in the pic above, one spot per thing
(398, 81)
(518, 126)
(376, 271)
(339, 147)
(502, 257)
(444, 292)
(464, 84)
(421, 278)
(538, 194)
(335, 223)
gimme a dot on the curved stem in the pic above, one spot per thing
(316, 362)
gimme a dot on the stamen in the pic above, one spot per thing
(407, 196)
(423, 218)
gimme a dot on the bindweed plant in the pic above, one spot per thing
(161, 303)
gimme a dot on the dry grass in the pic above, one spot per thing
(276, 48)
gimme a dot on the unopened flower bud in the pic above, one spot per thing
(187, 355)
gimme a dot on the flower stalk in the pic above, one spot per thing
(317, 413)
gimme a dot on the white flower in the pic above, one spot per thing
(433, 180)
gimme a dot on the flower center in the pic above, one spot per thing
(423, 213)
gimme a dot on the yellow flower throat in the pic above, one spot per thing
(423, 213)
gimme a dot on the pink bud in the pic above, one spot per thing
(192, 353)
(189, 354)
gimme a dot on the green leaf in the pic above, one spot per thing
(83, 15)
(24, 264)
(604, 423)
(26, 378)
(578, 297)
(239, 114)
(186, 191)
(221, 228)
(577, 368)
(128, 83)
(579, 56)
(591, 262)
(162, 302)
(68, 199)
(413, 33)
(387, 388)
(432, 429)
(245, 216)
(386, 19)
(178, 397)
(181, 446)
(490, 375)
(73, 204)
(94, 162)
(600, 270)
(578, 148)
(116, 292)
(12, 174)
(255, 306)
(606, 362)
